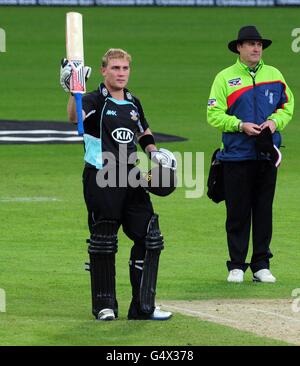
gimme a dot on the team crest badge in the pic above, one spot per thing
(104, 92)
(134, 115)
(147, 176)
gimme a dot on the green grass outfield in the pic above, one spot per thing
(176, 54)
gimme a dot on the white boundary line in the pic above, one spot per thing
(60, 320)
(40, 139)
(36, 132)
(28, 199)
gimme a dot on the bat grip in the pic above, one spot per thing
(78, 101)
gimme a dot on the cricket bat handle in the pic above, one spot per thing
(78, 101)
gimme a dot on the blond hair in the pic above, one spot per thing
(115, 53)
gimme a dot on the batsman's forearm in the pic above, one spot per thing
(148, 144)
(150, 148)
(71, 109)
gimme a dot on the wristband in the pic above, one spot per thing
(146, 140)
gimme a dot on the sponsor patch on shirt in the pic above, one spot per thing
(111, 113)
(122, 135)
(235, 82)
(212, 102)
(270, 96)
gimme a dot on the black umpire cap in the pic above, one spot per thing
(248, 33)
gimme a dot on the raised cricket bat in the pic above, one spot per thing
(75, 55)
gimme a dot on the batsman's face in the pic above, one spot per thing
(250, 52)
(116, 73)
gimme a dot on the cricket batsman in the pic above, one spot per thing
(114, 121)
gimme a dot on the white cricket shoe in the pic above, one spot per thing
(106, 314)
(236, 275)
(160, 314)
(264, 275)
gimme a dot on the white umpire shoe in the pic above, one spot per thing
(106, 314)
(160, 314)
(236, 275)
(264, 275)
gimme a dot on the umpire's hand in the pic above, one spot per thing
(251, 129)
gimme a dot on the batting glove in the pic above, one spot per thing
(66, 73)
(165, 158)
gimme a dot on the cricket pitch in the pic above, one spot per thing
(273, 318)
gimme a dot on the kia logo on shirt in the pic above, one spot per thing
(122, 135)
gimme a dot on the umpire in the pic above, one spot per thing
(113, 122)
(251, 103)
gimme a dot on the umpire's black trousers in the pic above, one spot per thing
(249, 192)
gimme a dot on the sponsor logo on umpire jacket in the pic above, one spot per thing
(235, 82)
(122, 135)
(212, 102)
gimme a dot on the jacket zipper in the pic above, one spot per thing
(254, 100)
(254, 96)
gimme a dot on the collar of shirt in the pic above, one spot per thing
(250, 70)
(106, 94)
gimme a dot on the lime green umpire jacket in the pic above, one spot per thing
(239, 94)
